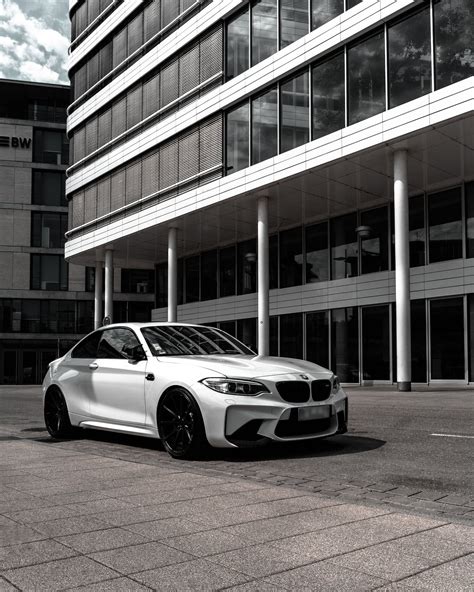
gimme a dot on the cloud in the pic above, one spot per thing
(34, 40)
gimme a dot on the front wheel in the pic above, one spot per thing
(180, 425)
(56, 416)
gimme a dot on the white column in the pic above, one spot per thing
(98, 310)
(172, 275)
(109, 283)
(263, 279)
(402, 270)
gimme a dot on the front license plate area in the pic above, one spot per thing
(314, 412)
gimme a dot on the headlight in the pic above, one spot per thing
(235, 386)
(336, 385)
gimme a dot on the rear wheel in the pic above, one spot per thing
(180, 425)
(56, 415)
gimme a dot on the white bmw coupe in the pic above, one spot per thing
(190, 386)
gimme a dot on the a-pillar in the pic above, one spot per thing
(263, 278)
(402, 270)
(98, 309)
(109, 283)
(172, 275)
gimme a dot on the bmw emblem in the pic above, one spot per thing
(304, 377)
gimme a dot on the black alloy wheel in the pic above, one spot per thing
(180, 425)
(56, 415)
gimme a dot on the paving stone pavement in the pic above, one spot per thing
(91, 516)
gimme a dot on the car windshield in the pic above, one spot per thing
(183, 340)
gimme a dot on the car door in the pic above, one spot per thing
(118, 378)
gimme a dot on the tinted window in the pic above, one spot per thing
(118, 344)
(87, 348)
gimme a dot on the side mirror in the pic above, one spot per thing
(134, 354)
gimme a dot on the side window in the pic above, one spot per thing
(119, 344)
(87, 348)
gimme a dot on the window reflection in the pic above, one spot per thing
(345, 344)
(291, 336)
(227, 271)
(238, 45)
(237, 139)
(366, 78)
(291, 258)
(264, 126)
(293, 21)
(247, 332)
(294, 129)
(445, 226)
(328, 96)
(316, 246)
(344, 248)
(409, 55)
(417, 234)
(209, 275)
(374, 240)
(264, 30)
(191, 278)
(247, 267)
(453, 26)
(317, 338)
(322, 11)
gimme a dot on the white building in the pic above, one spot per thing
(273, 160)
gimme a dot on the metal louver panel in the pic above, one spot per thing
(169, 164)
(135, 33)
(185, 4)
(90, 204)
(133, 182)
(91, 136)
(170, 11)
(81, 18)
(119, 117)
(105, 127)
(105, 65)
(93, 10)
(79, 144)
(152, 19)
(210, 144)
(104, 4)
(119, 51)
(78, 209)
(211, 54)
(150, 174)
(80, 81)
(134, 106)
(189, 155)
(151, 96)
(169, 87)
(189, 70)
(117, 190)
(93, 70)
(103, 197)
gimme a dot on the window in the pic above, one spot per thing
(237, 139)
(447, 339)
(274, 260)
(328, 96)
(138, 281)
(238, 46)
(409, 58)
(366, 78)
(418, 340)
(345, 344)
(209, 275)
(247, 267)
(316, 247)
(469, 189)
(87, 348)
(227, 271)
(247, 332)
(344, 249)
(317, 338)
(161, 295)
(264, 126)
(293, 21)
(374, 240)
(322, 11)
(49, 188)
(417, 234)
(445, 226)
(294, 129)
(118, 344)
(376, 343)
(191, 279)
(453, 26)
(264, 30)
(291, 258)
(48, 229)
(48, 272)
(291, 336)
(50, 146)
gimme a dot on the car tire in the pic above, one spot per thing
(180, 425)
(56, 415)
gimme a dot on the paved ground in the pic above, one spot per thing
(387, 507)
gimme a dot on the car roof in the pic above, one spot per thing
(151, 324)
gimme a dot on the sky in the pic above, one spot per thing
(34, 40)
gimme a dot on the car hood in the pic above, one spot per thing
(249, 366)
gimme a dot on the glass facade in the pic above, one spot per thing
(445, 225)
(344, 247)
(416, 228)
(328, 113)
(291, 258)
(48, 272)
(247, 267)
(294, 127)
(209, 275)
(48, 188)
(50, 146)
(291, 336)
(447, 339)
(264, 126)
(376, 342)
(322, 11)
(264, 29)
(317, 253)
(317, 338)
(345, 344)
(238, 45)
(237, 139)
(293, 21)
(137, 281)
(48, 229)
(374, 244)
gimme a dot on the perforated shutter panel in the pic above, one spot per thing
(80, 81)
(210, 144)
(103, 197)
(78, 209)
(119, 47)
(90, 204)
(134, 106)
(93, 70)
(152, 19)
(93, 10)
(81, 18)
(105, 59)
(79, 144)
(169, 164)
(170, 11)
(117, 190)
(133, 175)
(189, 155)
(135, 33)
(211, 54)
(169, 87)
(185, 4)
(150, 173)
(189, 70)
(91, 136)
(105, 127)
(119, 117)
(70, 214)
(104, 4)
(151, 96)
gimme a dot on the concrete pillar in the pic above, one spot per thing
(263, 279)
(98, 309)
(172, 275)
(402, 270)
(109, 283)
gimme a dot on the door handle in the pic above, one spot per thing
(150, 376)
(93, 365)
